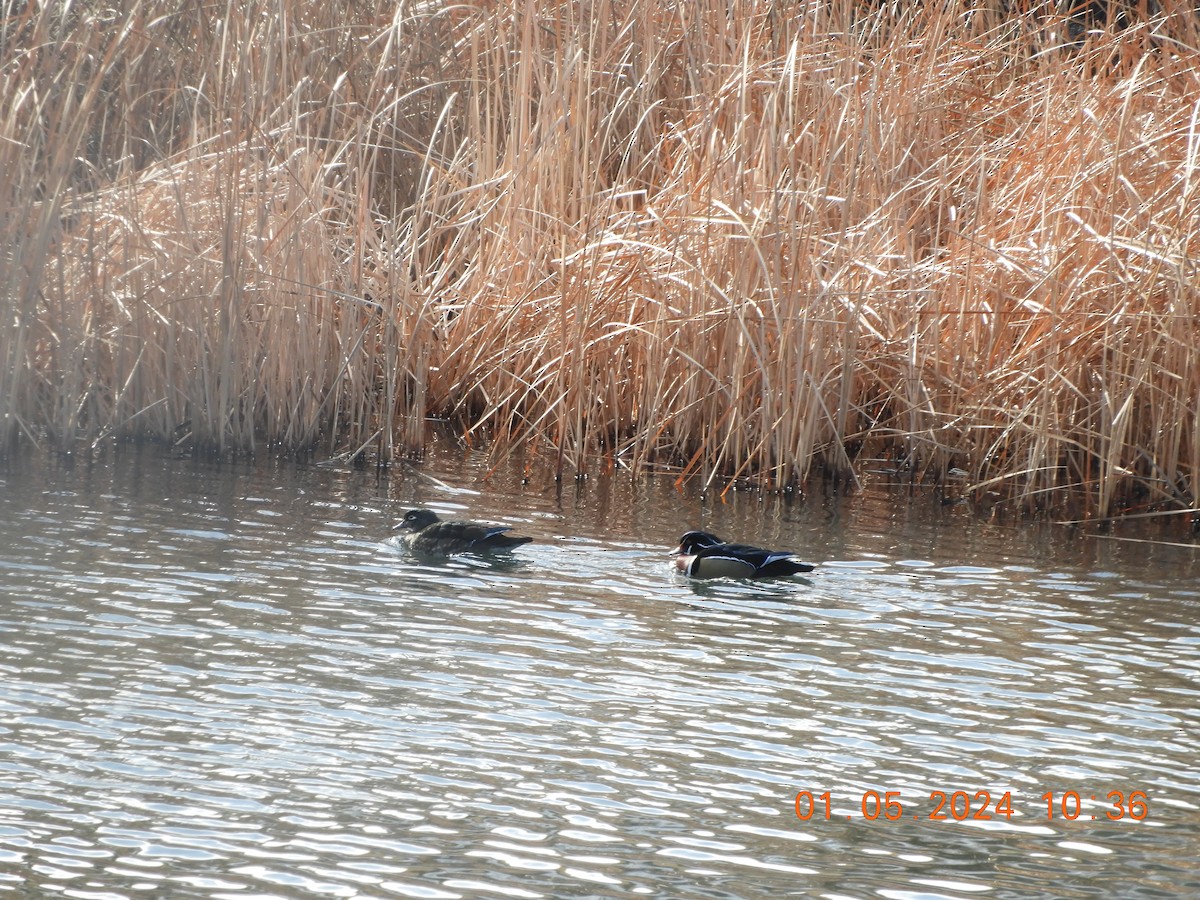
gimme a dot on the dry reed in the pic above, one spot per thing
(731, 240)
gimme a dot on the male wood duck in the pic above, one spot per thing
(432, 536)
(704, 555)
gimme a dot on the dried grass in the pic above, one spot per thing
(728, 241)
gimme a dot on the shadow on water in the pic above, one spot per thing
(767, 590)
(228, 680)
(457, 563)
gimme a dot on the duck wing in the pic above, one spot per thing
(784, 564)
(497, 538)
(758, 560)
(446, 538)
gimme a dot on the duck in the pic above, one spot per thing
(434, 536)
(701, 554)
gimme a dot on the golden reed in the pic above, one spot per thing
(733, 240)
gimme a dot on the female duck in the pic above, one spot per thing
(704, 555)
(432, 536)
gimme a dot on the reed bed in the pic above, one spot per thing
(737, 241)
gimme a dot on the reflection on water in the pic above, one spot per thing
(226, 681)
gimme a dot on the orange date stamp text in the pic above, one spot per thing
(959, 806)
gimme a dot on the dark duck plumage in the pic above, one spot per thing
(431, 536)
(704, 555)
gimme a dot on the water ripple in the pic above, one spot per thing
(249, 690)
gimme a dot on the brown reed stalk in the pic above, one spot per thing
(739, 240)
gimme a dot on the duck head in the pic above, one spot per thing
(694, 541)
(417, 519)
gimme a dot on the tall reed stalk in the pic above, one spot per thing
(735, 240)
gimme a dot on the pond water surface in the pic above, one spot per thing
(225, 681)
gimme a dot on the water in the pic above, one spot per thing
(223, 681)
